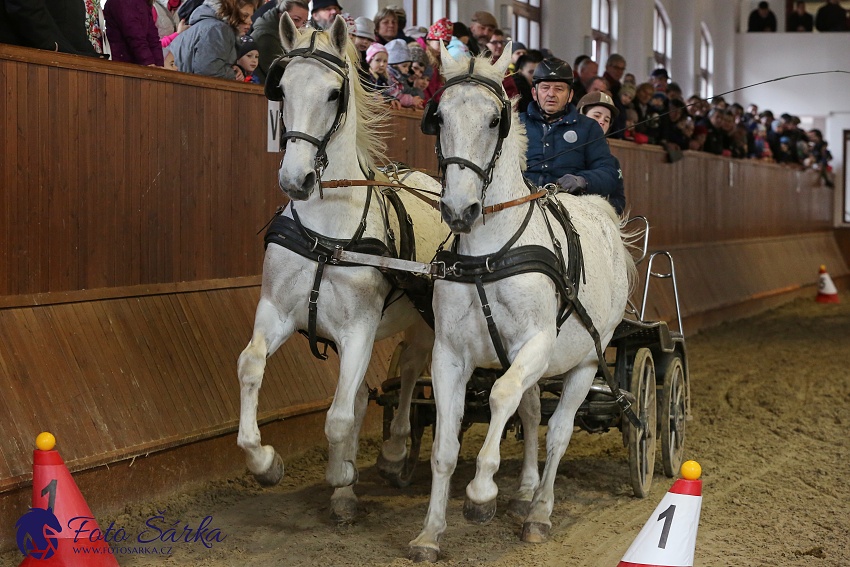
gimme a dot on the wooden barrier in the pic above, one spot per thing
(129, 259)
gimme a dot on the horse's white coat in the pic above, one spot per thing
(351, 298)
(524, 308)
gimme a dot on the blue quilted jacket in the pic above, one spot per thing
(591, 158)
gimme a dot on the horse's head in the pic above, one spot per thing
(472, 121)
(311, 80)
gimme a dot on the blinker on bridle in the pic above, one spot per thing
(430, 125)
(275, 93)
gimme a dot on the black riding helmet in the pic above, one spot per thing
(553, 70)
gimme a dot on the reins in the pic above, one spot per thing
(337, 183)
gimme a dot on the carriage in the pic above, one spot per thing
(649, 362)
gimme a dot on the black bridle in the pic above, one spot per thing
(339, 67)
(486, 172)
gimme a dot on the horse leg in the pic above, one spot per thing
(449, 378)
(270, 331)
(528, 366)
(419, 340)
(529, 415)
(576, 385)
(345, 416)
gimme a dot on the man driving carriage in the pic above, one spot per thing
(564, 146)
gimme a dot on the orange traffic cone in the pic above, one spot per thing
(826, 289)
(59, 530)
(669, 537)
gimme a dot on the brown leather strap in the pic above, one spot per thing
(336, 183)
(508, 204)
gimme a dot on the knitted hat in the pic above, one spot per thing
(373, 50)
(417, 54)
(397, 52)
(364, 27)
(415, 31)
(245, 45)
(517, 46)
(441, 30)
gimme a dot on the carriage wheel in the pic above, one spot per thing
(642, 443)
(673, 413)
(417, 429)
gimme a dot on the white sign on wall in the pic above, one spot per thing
(274, 126)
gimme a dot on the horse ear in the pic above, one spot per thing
(288, 33)
(504, 60)
(339, 34)
(445, 56)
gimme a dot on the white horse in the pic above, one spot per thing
(524, 307)
(326, 110)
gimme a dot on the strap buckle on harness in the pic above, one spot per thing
(337, 254)
(438, 270)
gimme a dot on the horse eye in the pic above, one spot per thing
(494, 122)
(334, 95)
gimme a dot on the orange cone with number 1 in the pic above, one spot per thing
(669, 537)
(47, 533)
(826, 289)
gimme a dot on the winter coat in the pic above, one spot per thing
(591, 158)
(132, 35)
(208, 47)
(55, 25)
(267, 39)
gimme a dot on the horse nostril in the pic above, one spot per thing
(471, 213)
(446, 213)
(309, 182)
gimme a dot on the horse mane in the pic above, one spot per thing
(372, 114)
(517, 141)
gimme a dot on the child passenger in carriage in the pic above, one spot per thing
(600, 106)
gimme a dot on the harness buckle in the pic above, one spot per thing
(438, 270)
(557, 243)
(315, 244)
(337, 254)
(487, 265)
(314, 297)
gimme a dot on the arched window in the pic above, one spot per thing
(661, 37)
(706, 63)
(527, 22)
(601, 25)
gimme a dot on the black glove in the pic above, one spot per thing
(573, 184)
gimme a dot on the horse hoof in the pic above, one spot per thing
(479, 513)
(535, 532)
(419, 554)
(519, 509)
(393, 472)
(345, 510)
(275, 473)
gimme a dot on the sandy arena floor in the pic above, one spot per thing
(770, 399)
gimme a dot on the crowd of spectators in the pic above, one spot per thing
(830, 17)
(238, 40)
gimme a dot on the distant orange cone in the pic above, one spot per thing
(46, 533)
(826, 289)
(669, 537)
